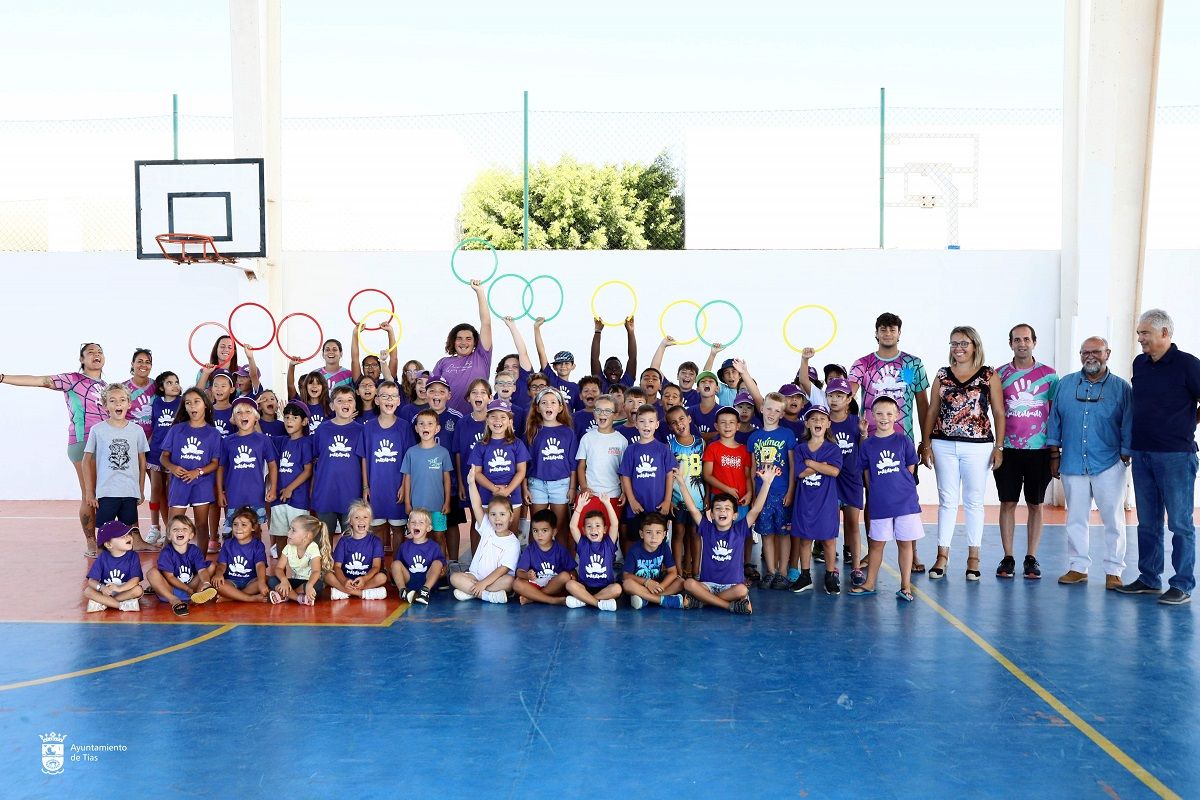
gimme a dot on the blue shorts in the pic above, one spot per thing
(681, 517)
(240, 583)
(123, 508)
(262, 515)
(181, 594)
(199, 492)
(742, 512)
(774, 518)
(549, 492)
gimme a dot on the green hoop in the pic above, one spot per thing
(484, 242)
(700, 314)
(562, 296)
(526, 306)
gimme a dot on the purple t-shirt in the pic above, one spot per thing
(630, 432)
(497, 461)
(705, 421)
(294, 456)
(721, 552)
(646, 564)
(815, 509)
(893, 487)
(223, 421)
(316, 415)
(184, 566)
(243, 459)
(241, 560)
(647, 466)
(553, 451)
(162, 417)
(545, 564)
(82, 396)
(272, 427)
(595, 561)
(582, 422)
(447, 437)
(417, 558)
(849, 480)
(193, 448)
(459, 371)
(569, 389)
(356, 555)
(337, 479)
(108, 569)
(141, 400)
(384, 450)
(469, 432)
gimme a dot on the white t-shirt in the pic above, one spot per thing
(603, 453)
(493, 550)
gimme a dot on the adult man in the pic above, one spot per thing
(1088, 433)
(1028, 389)
(1166, 388)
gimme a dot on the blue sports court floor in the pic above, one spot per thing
(996, 689)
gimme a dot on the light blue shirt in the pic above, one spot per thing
(1093, 433)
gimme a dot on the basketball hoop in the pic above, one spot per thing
(208, 250)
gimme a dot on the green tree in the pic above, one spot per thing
(574, 206)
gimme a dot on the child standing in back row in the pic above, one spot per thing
(340, 471)
(815, 512)
(114, 461)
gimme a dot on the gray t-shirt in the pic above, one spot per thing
(603, 452)
(426, 467)
(116, 451)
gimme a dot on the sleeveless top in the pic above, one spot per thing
(963, 416)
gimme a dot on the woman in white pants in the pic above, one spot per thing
(965, 423)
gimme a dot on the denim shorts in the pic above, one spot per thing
(717, 588)
(549, 492)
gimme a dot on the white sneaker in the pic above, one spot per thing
(338, 594)
(636, 601)
(609, 605)
(153, 535)
(495, 597)
(274, 552)
(94, 606)
(459, 594)
(574, 602)
(130, 605)
(378, 593)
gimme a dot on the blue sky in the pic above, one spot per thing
(365, 58)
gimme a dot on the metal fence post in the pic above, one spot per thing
(882, 105)
(525, 172)
(175, 126)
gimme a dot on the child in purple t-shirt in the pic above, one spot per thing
(338, 474)
(722, 538)
(191, 453)
(645, 472)
(815, 510)
(892, 505)
(295, 469)
(650, 572)
(115, 578)
(182, 572)
(241, 571)
(358, 560)
(545, 566)
(419, 563)
(240, 476)
(595, 552)
(501, 460)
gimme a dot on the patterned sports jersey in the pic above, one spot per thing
(899, 378)
(1028, 394)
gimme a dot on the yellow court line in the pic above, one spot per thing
(123, 663)
(1117, 754)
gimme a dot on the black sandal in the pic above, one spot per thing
(180, 609)
(937, 573)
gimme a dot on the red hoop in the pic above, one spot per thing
(320, 336)
(192, 336)
(237, 341)
(350, 304)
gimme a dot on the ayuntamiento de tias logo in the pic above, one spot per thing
(53, 753)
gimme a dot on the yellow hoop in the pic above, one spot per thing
(632, 294)
(798, 309)
(699, 310)
(368, 315)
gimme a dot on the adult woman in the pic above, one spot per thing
(962, 444)
(372, 365)
(469, 354)
(81, 391)
(141, 389)
(222, 356)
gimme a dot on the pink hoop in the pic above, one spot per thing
(236, 341)
(192, 336)
(320, 336)
(350, 304)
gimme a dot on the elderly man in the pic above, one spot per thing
(1088, 433)
(1166, 389)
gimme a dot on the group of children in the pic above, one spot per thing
(655, 492)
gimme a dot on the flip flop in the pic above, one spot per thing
(275, 598)
(180, 609)
(903, 595)
(858, 591)
(89, 553)
(204, 595)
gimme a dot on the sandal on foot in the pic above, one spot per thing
(918, 569)
(276, 598)
(305, 600)
(903, 595)
(937, 573)
(859, 591)
(204, 595)
(180, 609)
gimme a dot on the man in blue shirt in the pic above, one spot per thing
(1166, 390)
(1088, 433)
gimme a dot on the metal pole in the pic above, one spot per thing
(525, 170)
(175, 126)
(882, 105)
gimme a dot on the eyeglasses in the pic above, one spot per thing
(505, 383)
(954, 345)
(600, 411)
(1086, 385)
(1093, 353)
(413, 372)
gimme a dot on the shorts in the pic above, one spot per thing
(905, 528)
(773, 518)
(181, 494)
(332, 521)
(595, 590)
(180, 595)
(456, 517)
(240, 583)
(122, 508)
(297, 583)
(395, 523)
(717, 588)
(548, 492)
(282, 517)
(260, 511)
(681, 518)
(75, 452)
(850, 495)
(1028, 467)
(154, 460)
(438, 519)
(742, 512)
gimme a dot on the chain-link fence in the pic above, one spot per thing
(977, 178)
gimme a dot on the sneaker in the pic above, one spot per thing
(857, 577)
(459, 594)
(1032, 569)
(768, 579)
(636, 602)
(691, 602)
(152, 535)
(378, 593)
(802, 584)
(134, 605)
(204, 595)
(495, 597)
(421, 597)
(740, 606)
(274, 553)
(607, 605)
(751, 572)
(1175, 597)
(819, 554)
(572, 601)
(669, 601)
(338, 594)
(93, 606)
(846, 557)
(408, 595)
(1073, 576)
(833, 582)
(1007, 568)
(780, 581)
(1138, 587)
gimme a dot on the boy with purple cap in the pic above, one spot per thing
(241, 479)
(115, 578)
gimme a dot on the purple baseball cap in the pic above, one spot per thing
(743, 398)
(500, 405)
(838, 385)
(223, 373)
(246, 400)
(814, 409)
(790, 390)
(113, 529)
(436, 380)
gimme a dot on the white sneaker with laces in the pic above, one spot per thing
(574, 602)
(609, 605)
(130, 605)
(338, 594)
(636, 601)
(94, 606)
(153, 535)
(459, 594)
(378, 593)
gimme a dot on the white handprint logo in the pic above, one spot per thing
(314, 422)
(191, 450)
(721, 551)
(244, 459)
(285, 462)
(646, 467)
(888, 383)
(813, 480)
(546, 570)
(1023, 403)
(418, 564)
(887, 463)
(166, 419)
(499, 462)
(239, 568)
(553, 450)
(184, 574)
(115, 576)
(595, 568)
(340, 447)
(356, 565)
(384, 454)
(844, 442)
(221, 427)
